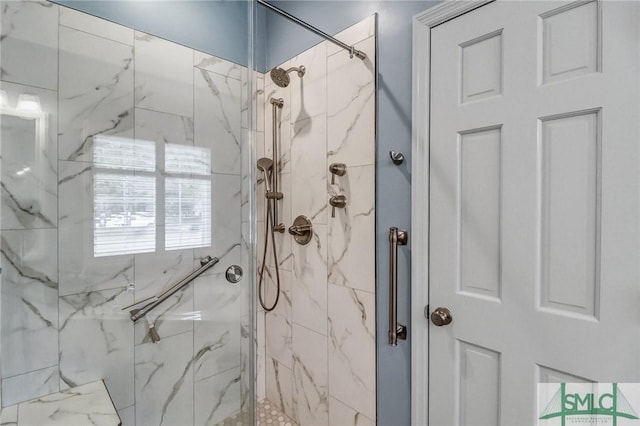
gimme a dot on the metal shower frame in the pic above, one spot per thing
(351, 49)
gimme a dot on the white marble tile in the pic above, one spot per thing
(245, 95)
(9, 416)
(29, 44)
(218, 119)
(86, 404)
(279, 381)
(283, 120)
(29, 161)
(95, 92)
(351, 107)
(217, 65)
(248, 175)
(128, 416)
(309, 287)
(217, 397)
(156, 272)
(164, 75)
(226, 218)
(30, 385)
(164, 381)
(248, 358)
(352, 348)
(80, 270)
(310, 377)
(351, 236)
(260, 102)
(248, 270)
(261, 357)
(163, 128)
(96, 342)
(309, 169)
(226, 224)
(29, 301)
(309, 93)
(217, 325)
(341, 414)
(354, 34)
(278, 321)
(167, 131)
(97, 26)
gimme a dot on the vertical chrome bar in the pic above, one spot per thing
(275, 104)
(396, 331)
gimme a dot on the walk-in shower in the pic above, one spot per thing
(131, 196)
(124, 152)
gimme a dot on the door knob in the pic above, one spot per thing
(441, 316)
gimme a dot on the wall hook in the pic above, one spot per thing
(396, 157)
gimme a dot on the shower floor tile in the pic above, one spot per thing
(266, 415)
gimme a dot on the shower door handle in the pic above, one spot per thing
(397, 331)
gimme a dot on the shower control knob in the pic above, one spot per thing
(339, 201)
(337, 169)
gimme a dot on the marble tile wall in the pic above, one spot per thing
(319, 342)
(61, 303)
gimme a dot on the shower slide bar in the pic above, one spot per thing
(154, 301)
(352, 50)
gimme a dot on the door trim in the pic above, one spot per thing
(422, 24)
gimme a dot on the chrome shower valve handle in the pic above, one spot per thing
(339, 201)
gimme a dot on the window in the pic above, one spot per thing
(125, 193)
(187, 197)
(124, 196)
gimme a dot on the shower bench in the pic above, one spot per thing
(88, 404)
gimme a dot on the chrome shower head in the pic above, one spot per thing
(281, 78)
(266, 165)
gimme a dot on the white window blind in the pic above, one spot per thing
(187, 197)
(124, 196)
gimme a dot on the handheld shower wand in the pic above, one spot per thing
(265, 165)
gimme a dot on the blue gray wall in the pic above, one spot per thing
(393, 185)
(216, 27)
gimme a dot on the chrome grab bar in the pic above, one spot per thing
(396, 331)
(154, 301)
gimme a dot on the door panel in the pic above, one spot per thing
(534, 216)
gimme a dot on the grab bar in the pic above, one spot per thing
(396, 331)
(136, 314)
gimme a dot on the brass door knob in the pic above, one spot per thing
(441, 316)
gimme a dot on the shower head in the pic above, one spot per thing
(265, 165)
(281, 78)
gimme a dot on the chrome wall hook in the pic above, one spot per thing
(396, 157)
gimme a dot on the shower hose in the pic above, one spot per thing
(269, 223)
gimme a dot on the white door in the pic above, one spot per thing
(534, 205)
